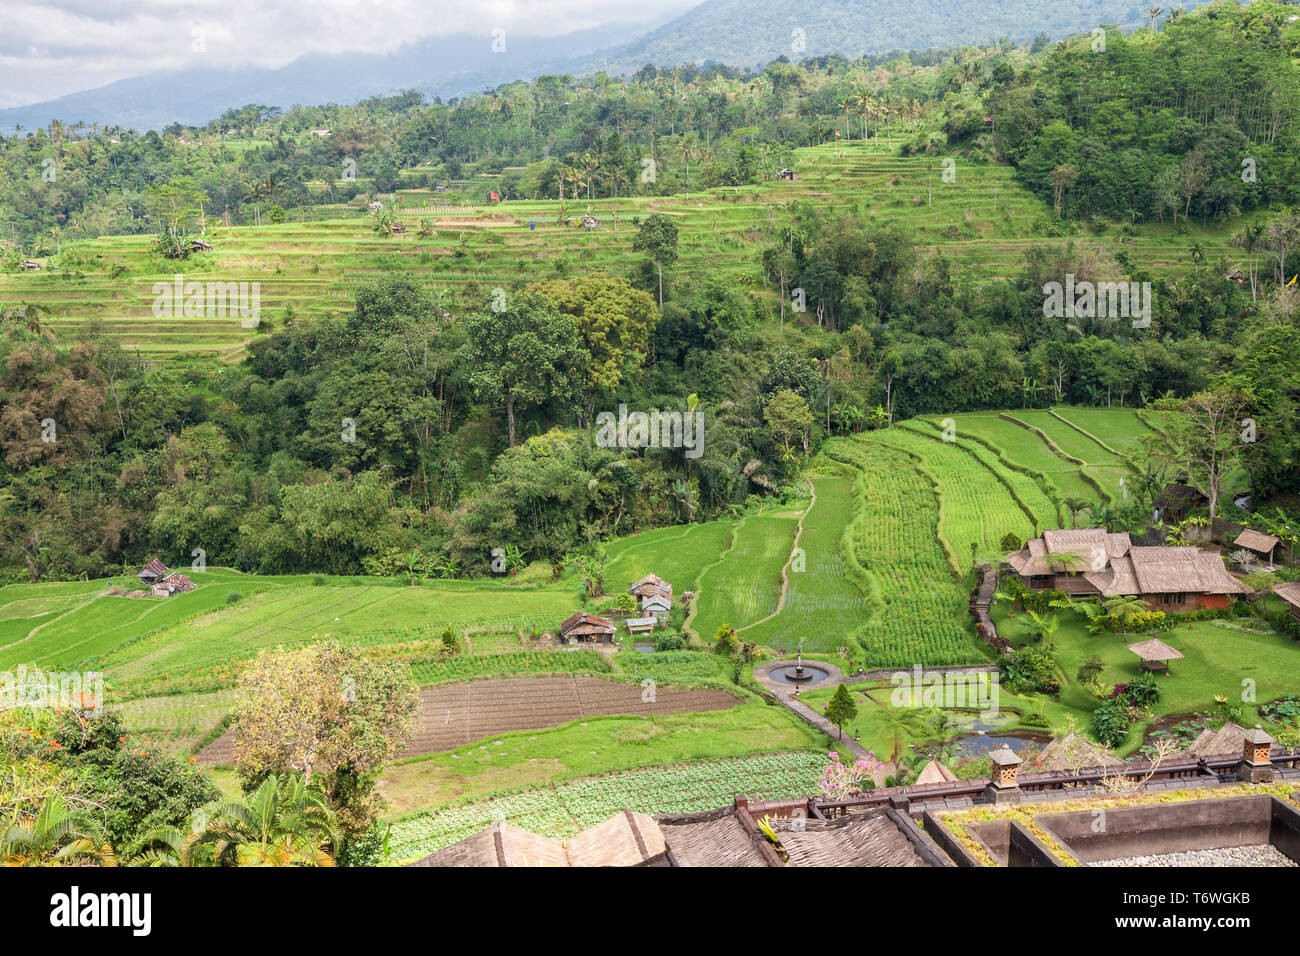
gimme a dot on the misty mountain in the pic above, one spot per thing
(755, 32)
(439, 66)
(735, 32)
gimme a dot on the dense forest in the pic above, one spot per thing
(418, 431)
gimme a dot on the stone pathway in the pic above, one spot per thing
(784, 693)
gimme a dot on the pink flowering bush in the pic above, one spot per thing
(843, 780)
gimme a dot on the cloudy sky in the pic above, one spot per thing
(52, 47)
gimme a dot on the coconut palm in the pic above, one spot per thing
(1074, 506)
(54, 834)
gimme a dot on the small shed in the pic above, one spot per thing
(153, 572)
(641, 625)
(1258, 542)
(787, 175)
(588, 221)
(1155, 654)
(1290, 595)
(656, 604)
(31, 265)
(199, 245)
(588, 627)
(1176, 502)
(375, 206)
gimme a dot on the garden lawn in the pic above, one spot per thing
(1217, 661)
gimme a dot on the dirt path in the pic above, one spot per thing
(785, 568)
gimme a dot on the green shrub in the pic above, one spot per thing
(669, 641)
(234, 597)
(1110, 722)
(1030, 670)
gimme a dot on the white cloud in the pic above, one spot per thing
(54, 47)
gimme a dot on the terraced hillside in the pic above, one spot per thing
(981, 220)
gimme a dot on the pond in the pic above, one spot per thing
(644, 647)
(980, 745)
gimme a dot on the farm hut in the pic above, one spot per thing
(656, 605)
(1258, 542)
(787, 176)
(588, 627)
(322, 132)
(1290, 594)
(588, 221)
(649, 585)
(375, 206)
(177, 583)
(1237, 276)
(641, 625)
(31, 266)
(198, 245)
(153, 572)
(1155, 654)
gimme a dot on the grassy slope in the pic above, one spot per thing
(983, 222)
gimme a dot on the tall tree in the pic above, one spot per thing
(658, 237)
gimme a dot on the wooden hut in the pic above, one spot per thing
(1258, 543)
(656, 605)
(650, 585)
(199, 245)
(31, 265)
(641, 625)
(787, 175)
(1290, 595)
(153, 572)
(588, 627)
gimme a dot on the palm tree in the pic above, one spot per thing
(1248, 239)
(1124, 606)
(1046, 624)
(1074, 506)
(898, 723)
(688, 149)
(54, 835)
(1153, 14)
(281, 823)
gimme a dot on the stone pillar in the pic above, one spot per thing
(1003, 788)
(1255, 765)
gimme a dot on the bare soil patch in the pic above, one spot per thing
(453, 715)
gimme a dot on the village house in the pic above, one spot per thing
(588, 628)
(649, 586)
(172, 585)
(656, 605)
(1093, 561)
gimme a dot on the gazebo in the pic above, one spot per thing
(1155, 652)
(1259, 543)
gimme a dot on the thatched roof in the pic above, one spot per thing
(629, 839)
(581, 623)
(1257, 541)
(859, 839)
(1155, 650)
(935, 772)
(1228, 739)
(1091, 548)
(715, 838)
(500, 845)
(1289, 593)
(1116, 580)
(1166, 570)
(1071, 752)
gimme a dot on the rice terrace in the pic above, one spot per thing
(685, 451)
